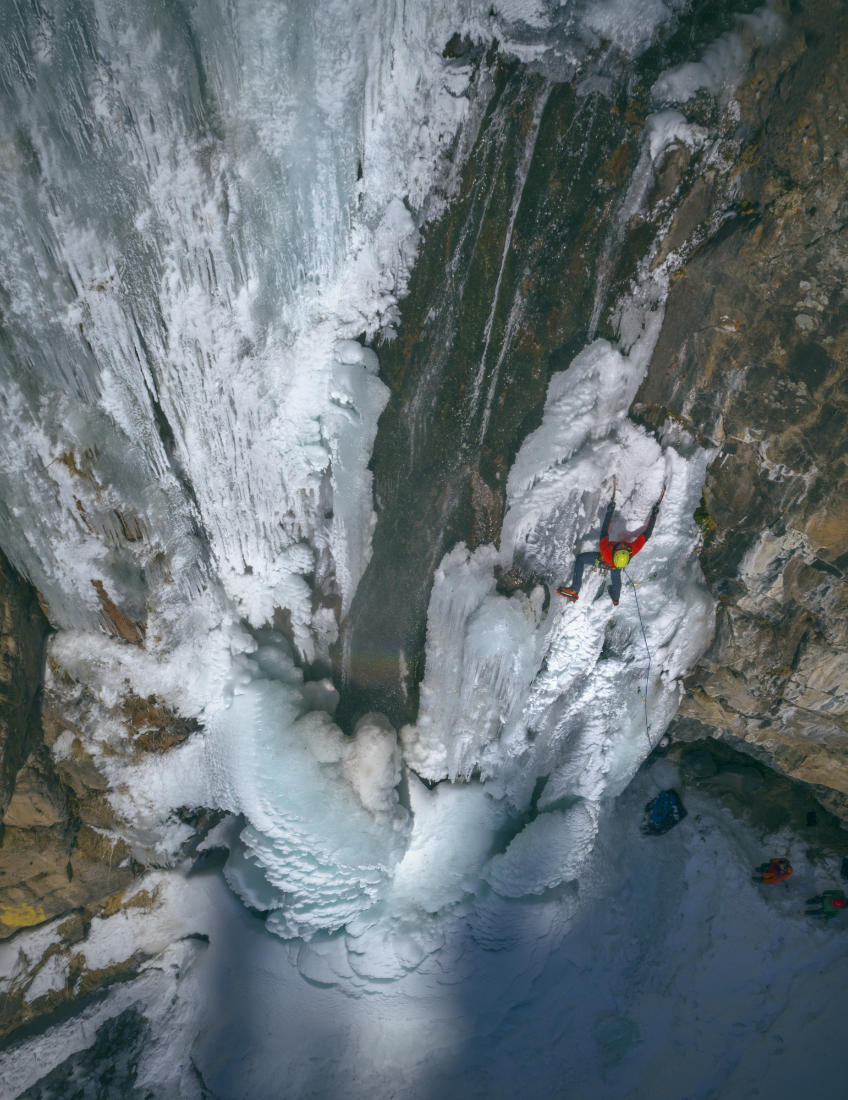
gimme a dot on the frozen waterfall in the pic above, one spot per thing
(210, 217)
(202, 215)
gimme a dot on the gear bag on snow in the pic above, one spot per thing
(663, 813)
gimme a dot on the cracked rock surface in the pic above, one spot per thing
(753, 357)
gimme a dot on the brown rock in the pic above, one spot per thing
(36, 802)
(46, 872)
(116, 621)
(153, 726)
(754, 356)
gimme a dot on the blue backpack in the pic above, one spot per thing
(663, 813)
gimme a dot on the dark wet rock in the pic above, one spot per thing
(485, 325)
(739, 779)
(769, 804)
(697, 762)
(106, 1068)
(23, 629)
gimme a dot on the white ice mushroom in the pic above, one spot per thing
(460, 819)
(325, 826)
(372, 763)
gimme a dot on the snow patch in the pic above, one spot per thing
(723, 63)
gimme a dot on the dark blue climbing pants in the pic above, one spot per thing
(589, 557)
(580, 563)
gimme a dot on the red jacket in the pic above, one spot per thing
(777, 871)
(636, 545)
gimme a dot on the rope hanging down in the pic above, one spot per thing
(647, 650)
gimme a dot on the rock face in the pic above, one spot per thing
(60, 848)
(63, 845)
(68, 862)
(522, 271)
(23, 628)
(752, 357)
(117, 1045)
(56, 851)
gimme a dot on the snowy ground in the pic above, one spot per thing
(679, 978)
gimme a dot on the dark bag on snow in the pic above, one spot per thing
(663, 813)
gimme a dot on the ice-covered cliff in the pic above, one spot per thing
(321, 332)
(208, 219)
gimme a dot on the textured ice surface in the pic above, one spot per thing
(548, 851)
(201, 210)
(200, 214)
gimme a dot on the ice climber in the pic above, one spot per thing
(613, 556)
(827, 905)
(776, 870)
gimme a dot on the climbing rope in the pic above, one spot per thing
(647, 650)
